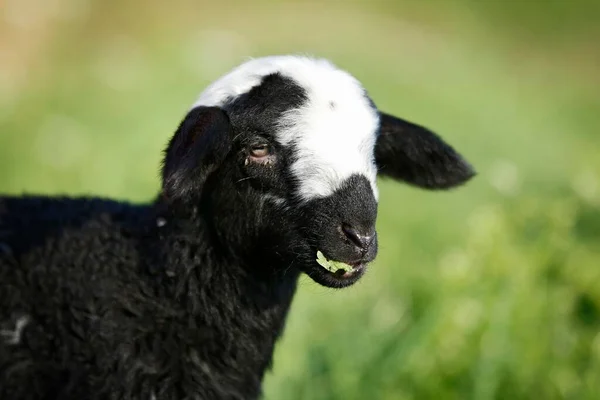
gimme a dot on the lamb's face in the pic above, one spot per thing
(293, 144)
(305, 134)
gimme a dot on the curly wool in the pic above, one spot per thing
(112, 322)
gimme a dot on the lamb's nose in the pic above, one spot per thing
(361, 239)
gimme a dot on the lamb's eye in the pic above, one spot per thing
(260, 150)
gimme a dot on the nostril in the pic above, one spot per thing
(361, 240)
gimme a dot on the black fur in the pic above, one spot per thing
(354, 205)
(412, 153)
(119, 307)
(200, 144)
(185, 297)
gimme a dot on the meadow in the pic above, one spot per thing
(491, 291)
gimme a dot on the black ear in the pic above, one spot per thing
(200, 144)
(414, 154)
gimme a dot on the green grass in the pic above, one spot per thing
(488, 292)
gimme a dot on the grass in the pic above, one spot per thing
(488, 292)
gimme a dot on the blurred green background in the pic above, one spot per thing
(487, 292)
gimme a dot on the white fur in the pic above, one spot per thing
(334, 132)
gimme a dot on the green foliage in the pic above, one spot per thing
(512, 313)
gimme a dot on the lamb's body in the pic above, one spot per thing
(185, 297)
(147, 309)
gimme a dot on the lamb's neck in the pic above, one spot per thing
(235, 309)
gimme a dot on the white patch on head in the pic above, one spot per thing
(334, 132)
(14, 336)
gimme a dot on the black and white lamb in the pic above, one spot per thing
(185, 297)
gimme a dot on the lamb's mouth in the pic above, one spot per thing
(346, 274)
(337, 273)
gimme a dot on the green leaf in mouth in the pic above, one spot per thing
(330, 265)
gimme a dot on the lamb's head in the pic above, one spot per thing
(281, 155)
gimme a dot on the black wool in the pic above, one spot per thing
(107, 300)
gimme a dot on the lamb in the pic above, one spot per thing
(185, 297)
